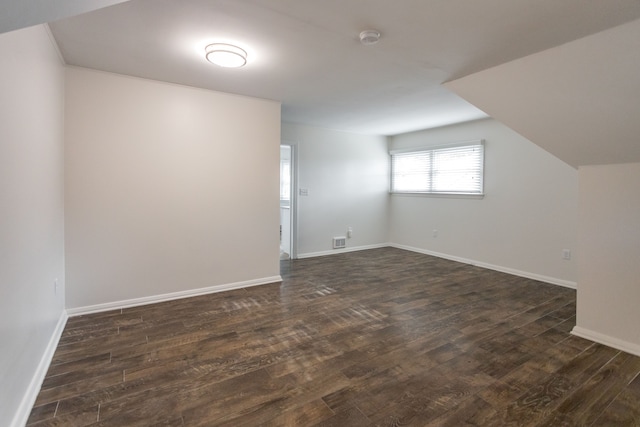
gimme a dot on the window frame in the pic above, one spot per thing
(430, 150)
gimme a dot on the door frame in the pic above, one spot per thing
(293, 201)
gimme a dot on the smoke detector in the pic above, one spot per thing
(369, 37)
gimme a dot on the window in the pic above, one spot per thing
(451, 169)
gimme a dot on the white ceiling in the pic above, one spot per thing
(579, 101)
(15, 14)
(306, 53)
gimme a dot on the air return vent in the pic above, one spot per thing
(339, 242)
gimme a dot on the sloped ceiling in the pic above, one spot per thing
(16, 14)
(580, 101)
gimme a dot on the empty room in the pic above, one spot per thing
(319, 213)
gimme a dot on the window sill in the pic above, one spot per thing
(441, 195)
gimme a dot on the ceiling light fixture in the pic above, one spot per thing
(369, 37)
(226, 55)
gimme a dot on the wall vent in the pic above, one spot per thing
(339, 242)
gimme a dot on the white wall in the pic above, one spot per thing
(168, 189)
(347, 178)
(31, 214)
(527, 217)
(609, 265)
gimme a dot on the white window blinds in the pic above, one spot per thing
(453, 169)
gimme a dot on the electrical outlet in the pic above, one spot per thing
(435, 233)
(349, 232)
(55, 286)
(566, 254)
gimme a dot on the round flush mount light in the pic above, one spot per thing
(226, 55)
(369, 37)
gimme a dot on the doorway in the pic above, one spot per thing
(287, 202)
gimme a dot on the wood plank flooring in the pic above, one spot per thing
(383, 337)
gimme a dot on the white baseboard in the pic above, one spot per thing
(26, 404)
(343, 250)
(115, 305)
(607, 340)
(528, 275)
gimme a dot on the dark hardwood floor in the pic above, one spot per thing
(380, 337)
